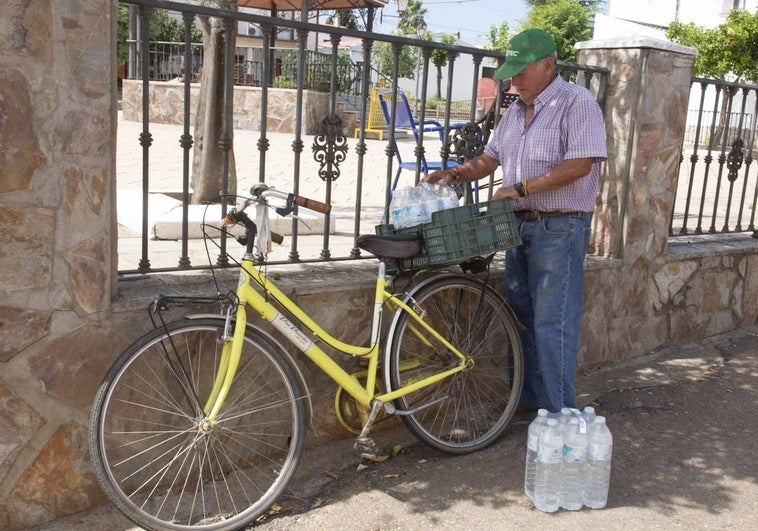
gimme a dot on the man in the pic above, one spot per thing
(550, 144)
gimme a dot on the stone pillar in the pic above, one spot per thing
(57, 246)
(645, 113)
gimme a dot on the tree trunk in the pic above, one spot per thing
(439, 82)
(208, 157)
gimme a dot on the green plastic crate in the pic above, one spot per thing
(458, 234)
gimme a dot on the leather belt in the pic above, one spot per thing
(532, 215)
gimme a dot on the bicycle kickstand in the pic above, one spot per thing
(365, 445)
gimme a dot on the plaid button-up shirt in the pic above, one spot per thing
(567, 124)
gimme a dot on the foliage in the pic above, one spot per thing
(318, 72)
(383, 59)
(412, 21)
(498, 37)
(595, 5)
(568, 21)
(162, 27)
(412, 24)
(348, 18)
(439, 58)
(729, 51)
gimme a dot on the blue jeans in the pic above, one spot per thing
(544, 284)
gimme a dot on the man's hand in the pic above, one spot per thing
(444, 176)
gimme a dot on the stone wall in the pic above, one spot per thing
(64, 318)
(167, 107)
(57, 235)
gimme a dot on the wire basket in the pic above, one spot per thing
(458, 234)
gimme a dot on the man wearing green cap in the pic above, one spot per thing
(550, 144)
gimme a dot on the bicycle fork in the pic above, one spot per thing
(230, 357)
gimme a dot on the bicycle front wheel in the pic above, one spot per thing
(158, 458)
(470, 410)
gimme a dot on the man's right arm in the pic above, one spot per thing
(469, 171)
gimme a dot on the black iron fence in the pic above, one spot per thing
(166, 62)
(717, 186)
(367, 170)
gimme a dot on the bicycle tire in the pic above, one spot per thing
(472, 408)
(156, 460)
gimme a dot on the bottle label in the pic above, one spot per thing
(574, 454)
(582, 420)
(550, 455)
(600, 452)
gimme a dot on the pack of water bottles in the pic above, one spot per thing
(414, 205)
(568, 460)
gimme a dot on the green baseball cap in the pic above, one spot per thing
(524, 49)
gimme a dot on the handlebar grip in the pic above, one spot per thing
(276, 237)
(311, 204)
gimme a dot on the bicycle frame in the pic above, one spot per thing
(247, 295)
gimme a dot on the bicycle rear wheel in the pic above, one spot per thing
(470, 410)
(162, 464)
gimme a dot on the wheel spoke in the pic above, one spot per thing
(162, 464)
(482, 398)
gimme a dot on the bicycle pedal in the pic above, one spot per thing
(366, 447)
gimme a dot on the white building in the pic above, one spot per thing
(650, 18)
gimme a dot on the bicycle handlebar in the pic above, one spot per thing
(312, 204)
(262, 190)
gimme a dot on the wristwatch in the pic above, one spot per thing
(519, 187)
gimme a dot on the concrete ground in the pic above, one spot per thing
(685, 445)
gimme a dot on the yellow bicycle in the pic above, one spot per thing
(200, 423)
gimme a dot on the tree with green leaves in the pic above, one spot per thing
(439, 59)
(162, 27)
(728, 52)
(411, 24)
(347, 18)
(498, 37)
(568, 21)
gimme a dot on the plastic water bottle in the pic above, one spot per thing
(548, 473)
(397, 208)
(430, 201)
(448, 197)
(589, 416)
(574, 467)
(532, 443)
(417, 212)
(598, 464)
(564, 419)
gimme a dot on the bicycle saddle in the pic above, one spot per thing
(403, 245)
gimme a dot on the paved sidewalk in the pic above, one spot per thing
(684, 425)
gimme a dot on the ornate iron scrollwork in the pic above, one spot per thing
(330, 148)
(465, 143)
(734, 159)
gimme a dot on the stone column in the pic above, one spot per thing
(645, 113)
(57, 247)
